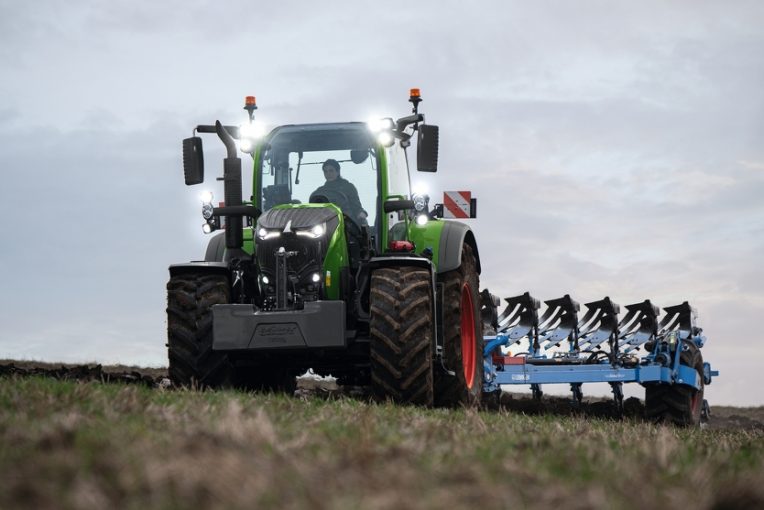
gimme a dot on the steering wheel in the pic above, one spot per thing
(333, 196)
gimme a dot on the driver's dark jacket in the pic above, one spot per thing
(348, 189)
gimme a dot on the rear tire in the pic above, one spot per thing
(401, 329)
(462, 336)
(193, 363)
(677, 403)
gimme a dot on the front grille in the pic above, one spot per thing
(309, 253)
(309, 258)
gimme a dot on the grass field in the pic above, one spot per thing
(68, 444)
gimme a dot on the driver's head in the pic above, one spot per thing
(331, 169)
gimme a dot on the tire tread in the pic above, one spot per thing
(401, 335)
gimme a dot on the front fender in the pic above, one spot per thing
(217, 252)
(199, 268)
(215, 248)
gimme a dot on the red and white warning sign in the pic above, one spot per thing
(457, 204)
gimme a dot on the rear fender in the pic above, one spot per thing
(452, 237)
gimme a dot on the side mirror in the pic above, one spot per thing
(427, 148)
(193, 161)
(358, 156)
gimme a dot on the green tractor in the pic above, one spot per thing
(333, 264)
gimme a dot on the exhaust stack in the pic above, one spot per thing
(231, 188)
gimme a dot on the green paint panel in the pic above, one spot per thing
(384, 224)
(249, 240)
(336, 256)
(427, 236)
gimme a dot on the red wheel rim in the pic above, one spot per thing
(468, 336)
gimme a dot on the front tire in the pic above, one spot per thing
(193, 363)
(462, 336)
(678, 403)
(401, 335)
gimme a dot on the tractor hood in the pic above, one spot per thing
(300, 217)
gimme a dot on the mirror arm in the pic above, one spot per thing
(404, 122)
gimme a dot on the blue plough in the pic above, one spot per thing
(523, 347)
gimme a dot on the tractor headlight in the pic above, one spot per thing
(314, 232)
(207, 228)
(206, 197)
(207, 211)
(264, 233)
(422, 219)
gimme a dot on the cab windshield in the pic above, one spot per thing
(294, 161)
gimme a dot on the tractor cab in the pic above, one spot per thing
(336, 164)
(322, 189)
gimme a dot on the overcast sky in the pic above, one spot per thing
(615, 148)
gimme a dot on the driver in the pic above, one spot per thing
(335, 183)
